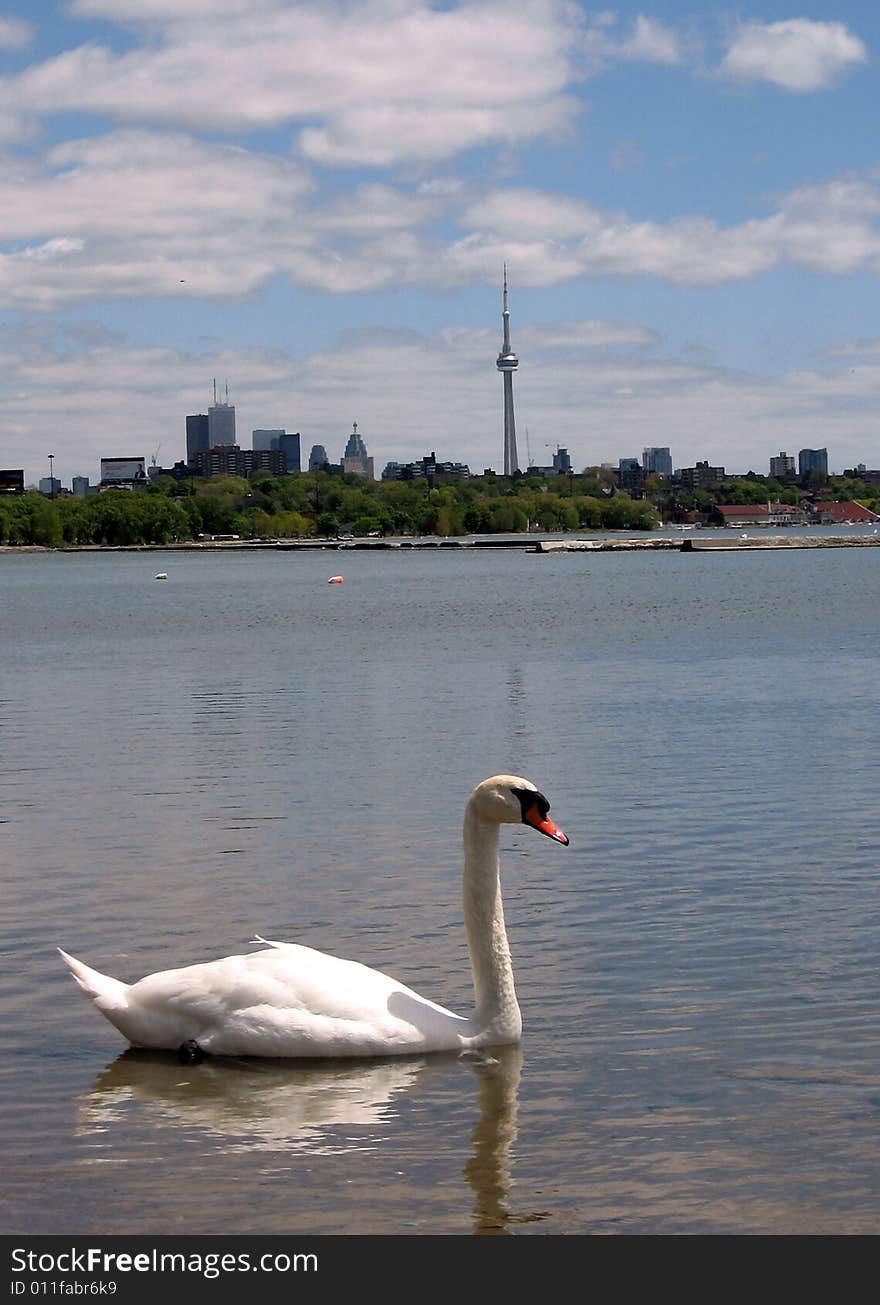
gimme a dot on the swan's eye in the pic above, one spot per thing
(528, 799)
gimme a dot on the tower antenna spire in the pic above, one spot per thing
(507, 363)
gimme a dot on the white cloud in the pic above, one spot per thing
(857, 349)
(648, 41)
(140, 212)
(152, 11)
(626, 155)
(652, 43)
(797, 54)
(381, 135)
(573, 337)
(373, 83)
(15, 33)
(532, 214)
(832, 229)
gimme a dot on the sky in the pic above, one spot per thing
(312, 203)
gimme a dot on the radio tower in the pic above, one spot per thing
(507, 364)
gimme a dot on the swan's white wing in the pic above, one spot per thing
(287, 1001)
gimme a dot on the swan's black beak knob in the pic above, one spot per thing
(535, 808)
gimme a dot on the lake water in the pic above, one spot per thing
(245, 748)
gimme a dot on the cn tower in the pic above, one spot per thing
(507, 364)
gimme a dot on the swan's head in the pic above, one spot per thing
(511, 800)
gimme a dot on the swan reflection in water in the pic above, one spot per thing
(325, 1108)
(250, 1104)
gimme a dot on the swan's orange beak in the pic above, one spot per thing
(544, 825)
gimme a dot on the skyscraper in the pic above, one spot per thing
(196, 435)
(355, 460)
(810, 460)
(288, 443)
(263, 440)
(657, 462)
(507, 363)
(782, 466)
(221, 421)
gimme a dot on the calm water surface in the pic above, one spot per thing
(246, 748)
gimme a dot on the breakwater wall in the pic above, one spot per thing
(652, 543)
(701, 544)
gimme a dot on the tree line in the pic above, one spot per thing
(320, 505)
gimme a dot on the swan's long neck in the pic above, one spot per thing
(497, 1014)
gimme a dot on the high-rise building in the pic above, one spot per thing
(812, 460)
(657, 462)
(702, 476)
(355, 460)
(561, 461)
(630, 474)
(230, 460)
(288, 443)
(221, 421)
(428, 468)
(507, 363)
(81, 487)
(196, 435)
(782, 466)
(264, 440)
(318, 459)
(279, 441)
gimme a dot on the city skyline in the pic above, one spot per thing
(317, 203)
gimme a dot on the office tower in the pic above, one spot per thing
(318, 459)
(221, 421)
(507, 363)
(781, 466)
(288, 443)
(264, 440)
(813, 460)
(630, 473)
(355, 460)
(657, 462)
(196, 435)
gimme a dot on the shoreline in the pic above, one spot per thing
(691, 544)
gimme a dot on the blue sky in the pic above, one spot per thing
(313, 203)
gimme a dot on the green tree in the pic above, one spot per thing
(327, 525)
(46, 528)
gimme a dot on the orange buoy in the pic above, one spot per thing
(336, 580)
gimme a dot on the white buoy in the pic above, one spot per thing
(162, 575)
(335, 580)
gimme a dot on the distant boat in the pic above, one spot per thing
(335, 580)
(162, 575)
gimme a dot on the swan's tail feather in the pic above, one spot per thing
(267, 942)
(108, 994)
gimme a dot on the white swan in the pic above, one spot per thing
(292, 1001)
